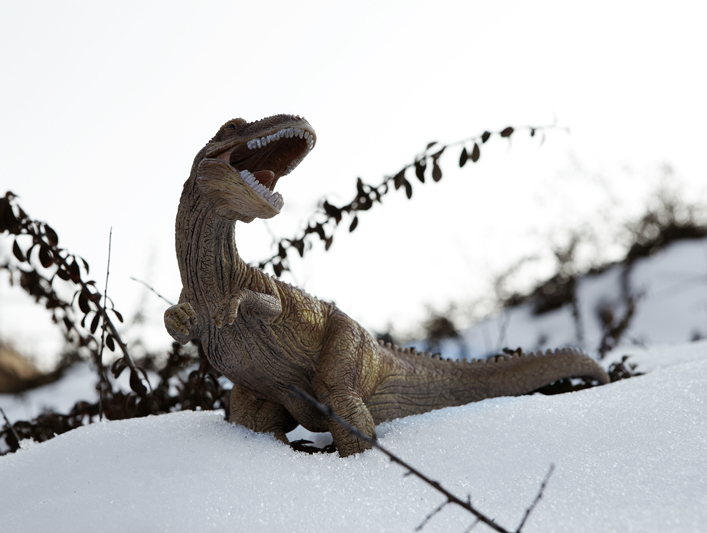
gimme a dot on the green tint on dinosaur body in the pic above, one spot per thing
(266, 335)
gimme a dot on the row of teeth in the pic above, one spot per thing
(287, 133)
(274, 198)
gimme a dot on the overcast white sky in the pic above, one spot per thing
(104, 105)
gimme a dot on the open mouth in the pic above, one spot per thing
(262, 161)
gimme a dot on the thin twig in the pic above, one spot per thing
(537, 498)
(152, 289)
(429, 516)
(472, 526)
(12, 429)
(451, 498)
(103, 331)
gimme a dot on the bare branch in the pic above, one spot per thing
(12, 429)
(152, 289)
(103, 332)
(328, 217)
(451, 498)
(429, 516)
(537, 498)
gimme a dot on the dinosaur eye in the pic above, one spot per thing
(232, 126)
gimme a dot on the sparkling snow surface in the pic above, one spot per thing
(629, 456)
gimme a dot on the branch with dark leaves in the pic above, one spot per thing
(327, 218)
(56, 263)
(450, 498)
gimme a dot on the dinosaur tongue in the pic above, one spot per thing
(265, 177)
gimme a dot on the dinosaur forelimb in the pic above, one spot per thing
(264, 306)
(181, 322)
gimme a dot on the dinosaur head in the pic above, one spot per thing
(244, 161)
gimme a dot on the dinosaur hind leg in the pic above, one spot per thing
(345, 377)
(260, 415)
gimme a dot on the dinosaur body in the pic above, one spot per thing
(266, 335)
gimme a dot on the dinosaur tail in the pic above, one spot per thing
(414, 383)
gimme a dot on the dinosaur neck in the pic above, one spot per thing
(209, 263)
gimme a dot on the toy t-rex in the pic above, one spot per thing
(265, 335)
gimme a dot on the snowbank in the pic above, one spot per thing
(629, 456)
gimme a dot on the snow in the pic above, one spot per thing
(629, 456)
(671, 308)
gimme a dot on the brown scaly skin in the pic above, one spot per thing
(265, 335)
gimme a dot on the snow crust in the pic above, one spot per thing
(671, 290)
(629, 456)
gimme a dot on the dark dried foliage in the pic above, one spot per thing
(617, 371)
(37, 273)
(328, 217)
(198, 390)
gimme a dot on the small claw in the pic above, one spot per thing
(226, 312)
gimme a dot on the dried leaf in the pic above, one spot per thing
(438, 153)
(278, 268)
(136, 384)
(436, 171)
(485, 136)
(399, 179)
(110, 343)
(408, 189)
(420, 165)
(475, 153)
(117, 367)
(327, 242)
(45, 256)
(74, 271)
(51, 235)
(463, 157)
(118, 315)
(430, 145)
(8, 221)
(330, 210)
(94, 323)
(360, 190)
(299, 246)
(83, 303)
(363, 203)
(507, 132)
(18, 252)
(353, 225)
(63, 274)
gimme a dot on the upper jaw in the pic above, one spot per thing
(278, 149)
(259, 161)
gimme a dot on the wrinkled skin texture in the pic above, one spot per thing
(265, 335)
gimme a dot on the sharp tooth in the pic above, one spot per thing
(306, 135)
(264, 141)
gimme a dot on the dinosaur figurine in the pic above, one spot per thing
(265, 335)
